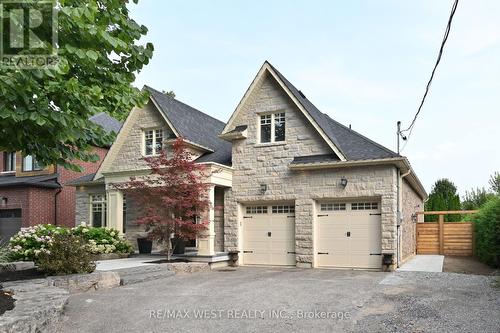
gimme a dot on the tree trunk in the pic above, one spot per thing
(169, 250)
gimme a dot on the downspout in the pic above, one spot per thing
(59, 190)
(398, 212)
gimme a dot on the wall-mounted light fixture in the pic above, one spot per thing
(4, 201)
(414, 217)
(263, 188)
(343, 182)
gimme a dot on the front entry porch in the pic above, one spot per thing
(208, 247)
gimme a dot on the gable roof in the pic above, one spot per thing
(345, 143)
(195, 126)
(353, 145)
(108, 123)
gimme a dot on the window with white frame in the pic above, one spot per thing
(332, 206)
(98, 210)
(272, 127)
(153, 142)
(31, 164)
(364, 205)
(256, 209)
(9, 162)
(280, 209)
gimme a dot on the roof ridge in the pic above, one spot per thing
(360, 135)
(178, 101)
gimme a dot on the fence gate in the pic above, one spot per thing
(447, 238)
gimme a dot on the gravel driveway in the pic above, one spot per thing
(292, 300)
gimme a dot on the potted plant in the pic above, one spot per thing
(145, 245)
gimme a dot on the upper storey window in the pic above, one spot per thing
(272, 127)
(31, 164)
(153, 142)
(9, 162)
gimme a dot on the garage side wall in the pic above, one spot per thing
(411, 203)
(256, 164)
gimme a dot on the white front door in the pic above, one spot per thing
(269, 234)
(349, 234)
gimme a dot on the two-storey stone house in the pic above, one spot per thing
(310, 192)
(293, 187)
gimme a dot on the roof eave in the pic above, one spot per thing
(401, 163)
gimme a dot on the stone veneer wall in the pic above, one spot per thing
(129, 156)
(256, 164)
(410, 201)
(82, 202)
(219, 219)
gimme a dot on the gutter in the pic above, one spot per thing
(401, 163)
(59, 190)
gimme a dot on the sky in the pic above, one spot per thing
(365, 63)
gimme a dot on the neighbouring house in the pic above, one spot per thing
(31, 194)
(308, 191)
(292, 186)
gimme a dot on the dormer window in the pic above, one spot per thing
(272, 127)
(153, 142)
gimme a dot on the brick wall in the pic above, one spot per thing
(66, 198)
(37, 204)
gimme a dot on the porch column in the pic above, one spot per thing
(206, 241)
(114, 210)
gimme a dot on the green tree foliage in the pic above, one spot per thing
(443, 196)
(487, 228)
(495, 182)
(474, 199)
(44, 112)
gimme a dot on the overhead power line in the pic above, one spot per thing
(438, 60)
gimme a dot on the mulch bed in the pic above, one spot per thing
(467, 265)
(6, 301)
(165, 261)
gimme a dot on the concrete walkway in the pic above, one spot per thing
(114, 264)
(424, 263)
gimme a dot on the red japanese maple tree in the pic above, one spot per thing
(172, 199)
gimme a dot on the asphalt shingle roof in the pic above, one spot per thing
(49, 181)
(353, 145)
(195, 126)
(108, 123)
(86, 179)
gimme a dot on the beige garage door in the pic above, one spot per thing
(269, 234)
(349, 234)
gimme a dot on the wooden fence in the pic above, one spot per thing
(447, 238)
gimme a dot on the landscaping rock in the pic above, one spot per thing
(110, 256)
(188, 267)
(81, 283)
(37, 307)
(16, 266)
(140, 274)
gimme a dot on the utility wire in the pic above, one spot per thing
(445, 38)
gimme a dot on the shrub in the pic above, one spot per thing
(487, 228)
(5, 253)
(30, 242)
(67, 254)
(103, 240)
